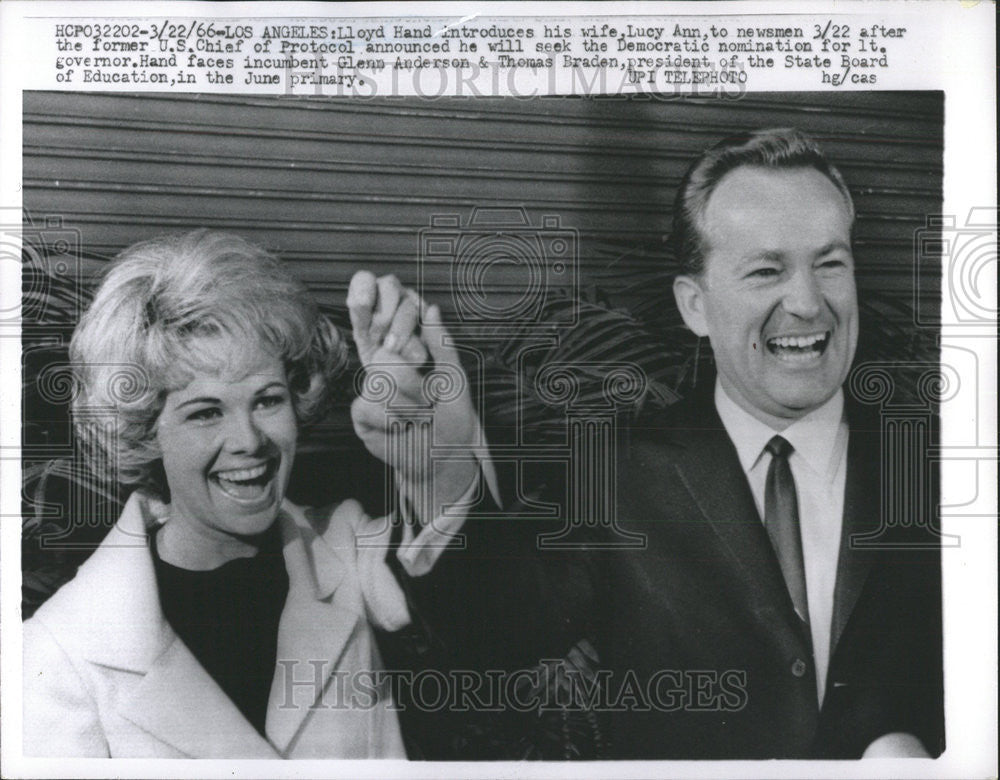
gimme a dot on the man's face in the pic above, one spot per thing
(777, 297)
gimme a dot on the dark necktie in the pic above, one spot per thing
(781, 518)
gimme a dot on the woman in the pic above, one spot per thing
(217, 619)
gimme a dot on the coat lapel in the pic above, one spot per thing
(323, 613)
(179, 703)
(861, 516)
(176, 700)
(708, 467)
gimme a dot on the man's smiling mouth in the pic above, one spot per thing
(799, 348)
(249, 484)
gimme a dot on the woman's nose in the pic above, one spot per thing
(243, 434)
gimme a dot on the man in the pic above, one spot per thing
(750, 625)
(841, 646)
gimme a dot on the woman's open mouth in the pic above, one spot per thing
(246, 485)
(799, 348)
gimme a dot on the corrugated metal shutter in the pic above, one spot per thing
(334, 185)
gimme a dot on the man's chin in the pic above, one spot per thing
(796, 405)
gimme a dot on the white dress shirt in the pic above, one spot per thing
(819, 466)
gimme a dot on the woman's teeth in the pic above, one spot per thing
(244, 484)
(242, 475)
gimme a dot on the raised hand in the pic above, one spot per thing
(384, 315)
(414, 393)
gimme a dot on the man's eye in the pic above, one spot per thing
(763, 273)
(205, 415)
(833, 264)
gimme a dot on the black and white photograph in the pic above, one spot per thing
(561, 430)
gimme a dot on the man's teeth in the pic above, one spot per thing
(242, 475)
(798, 341)
(798, 348)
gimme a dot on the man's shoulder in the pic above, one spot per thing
(863, 419)
(688, 433)
(691, 419)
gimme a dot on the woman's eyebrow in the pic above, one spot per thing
(203, 399)
(271, 385)
(208, 399)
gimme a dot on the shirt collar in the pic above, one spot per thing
(814, 436)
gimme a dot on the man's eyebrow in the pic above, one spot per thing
(771, 255)
(834, 246)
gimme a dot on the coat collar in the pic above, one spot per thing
(177, 697)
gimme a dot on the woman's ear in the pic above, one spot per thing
(691, 302)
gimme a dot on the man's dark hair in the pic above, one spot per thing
(776, 148)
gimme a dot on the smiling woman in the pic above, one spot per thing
(190, 630)
(227, 446)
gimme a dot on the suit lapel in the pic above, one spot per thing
(322, 615)
(861, 516)
(709, 469)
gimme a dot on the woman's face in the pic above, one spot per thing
(227, 443)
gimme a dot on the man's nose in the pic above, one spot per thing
(243, 435)
(803, 296)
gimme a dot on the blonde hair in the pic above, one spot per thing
(135, 343)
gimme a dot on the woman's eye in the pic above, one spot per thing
(270, 401)
(205, 415)
(764, 272)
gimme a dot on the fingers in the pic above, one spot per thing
(390, 294)
(403, 323)
(361, 295)
(385, 315)
(414, 351)
(436, 339)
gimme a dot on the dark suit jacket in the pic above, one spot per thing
(704, 654)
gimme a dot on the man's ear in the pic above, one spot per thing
(691, 303)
